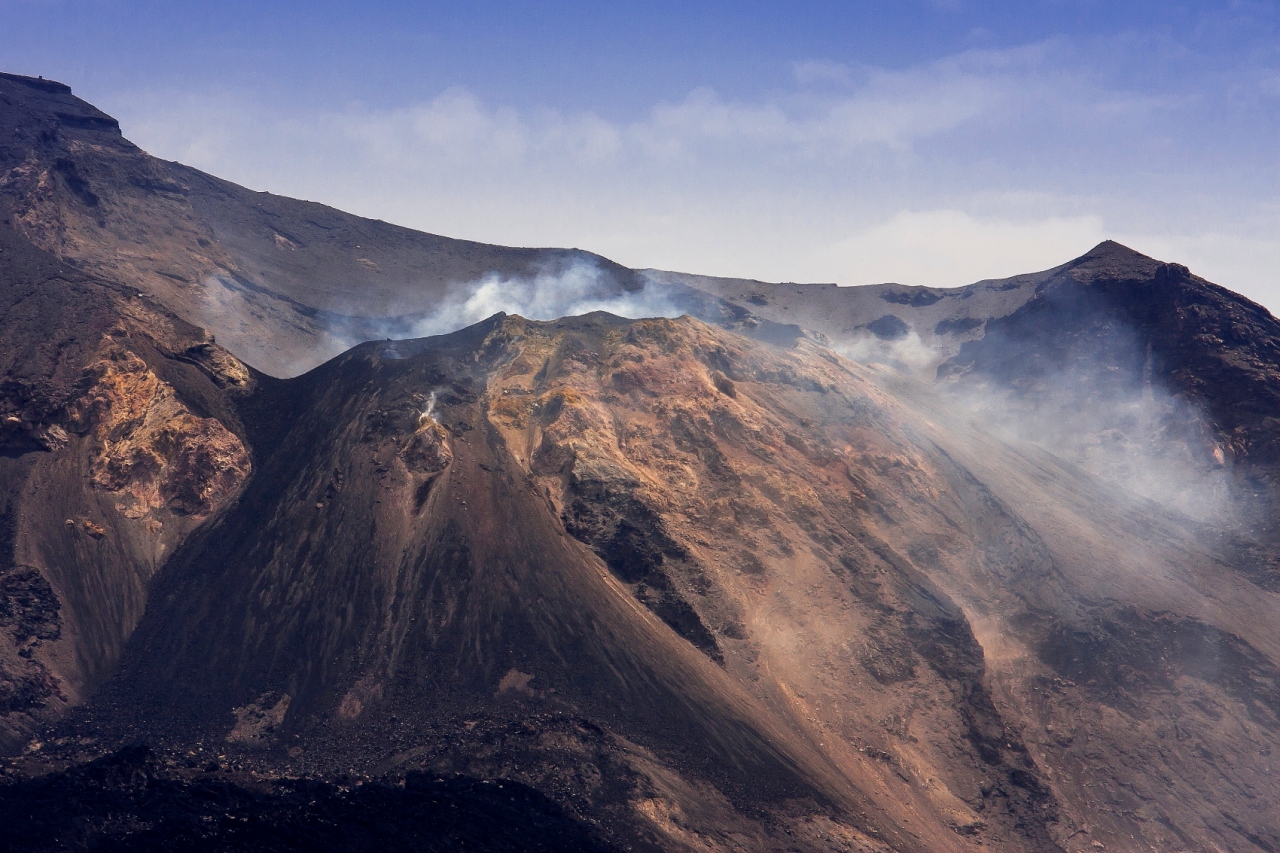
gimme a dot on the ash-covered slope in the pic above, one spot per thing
(913, 328)
(699, 590)
(714, 592)
(117, 438)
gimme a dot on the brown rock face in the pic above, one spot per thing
(705, 589)
(775, 581)
(427, 450)
(149, 449)
(814, 528)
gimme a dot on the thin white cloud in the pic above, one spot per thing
(951, 247)
(817, 72)
(982, 164)
(875, 108)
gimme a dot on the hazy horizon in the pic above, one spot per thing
(928, 143)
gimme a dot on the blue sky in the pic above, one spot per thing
(924, 142)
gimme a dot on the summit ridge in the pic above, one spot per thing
(756, 567)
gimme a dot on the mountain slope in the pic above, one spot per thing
(1115, 326)
(117, 438)
(806, 585)
(285, 284)
(1136, 369)
(984, 568)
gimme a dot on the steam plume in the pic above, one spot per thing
(428, 412)
(1100, 408)
(580, 287)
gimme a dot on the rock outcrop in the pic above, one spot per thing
(863, 569)
(147, 448)
(106, 468)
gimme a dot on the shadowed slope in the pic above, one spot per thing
(285, 284)
(810, 585)
(117, 438)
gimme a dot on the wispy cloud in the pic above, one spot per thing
(983, 163)
(928, 245)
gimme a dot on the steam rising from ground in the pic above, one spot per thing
(1148, 441)
(234, 308)
(1099, 408)
(429, 410)
(909, 353)
(580, 287)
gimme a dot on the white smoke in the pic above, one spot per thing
(428, 411)
(908, 354)
(234, 311)
(1137, 435)
(579, 288)
(1148, 441)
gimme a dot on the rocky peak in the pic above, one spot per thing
(36, 83)
(1111, 260)
(42, 111)
(711, 587)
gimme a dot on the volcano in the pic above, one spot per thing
(793, 567)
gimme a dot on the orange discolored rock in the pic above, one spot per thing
(428, 451)
(149, 447)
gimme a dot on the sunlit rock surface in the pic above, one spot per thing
(816, 568)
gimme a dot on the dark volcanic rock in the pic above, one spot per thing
(685, 586)
(1114, 323)
(132, 801)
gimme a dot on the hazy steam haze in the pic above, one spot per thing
(575, 288)
(1086, 409)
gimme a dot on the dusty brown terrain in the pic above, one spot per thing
(116, 441)
(1113, 361)
(683, 585)
(772, 584)
(890, 546)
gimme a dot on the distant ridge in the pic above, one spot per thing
(873, 569)
(37, 83)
